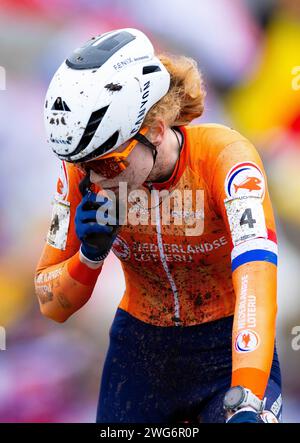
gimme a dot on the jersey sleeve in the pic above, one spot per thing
(239, 190)
(63, 282)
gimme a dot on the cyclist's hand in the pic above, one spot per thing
(95, 227)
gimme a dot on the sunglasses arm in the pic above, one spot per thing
(142, 139)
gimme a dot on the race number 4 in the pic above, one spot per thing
(246, 219)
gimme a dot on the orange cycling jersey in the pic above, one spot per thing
(197, 248)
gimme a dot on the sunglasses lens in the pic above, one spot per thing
(111, 166)
(108, 168)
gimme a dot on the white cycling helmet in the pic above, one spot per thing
(100, 95)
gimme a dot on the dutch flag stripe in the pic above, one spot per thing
(254, 250)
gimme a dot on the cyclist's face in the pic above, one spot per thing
(139, 166)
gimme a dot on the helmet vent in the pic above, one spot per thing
(60, 105)
(97, 51)
(106, 146)
(91, 128)
(150, 69)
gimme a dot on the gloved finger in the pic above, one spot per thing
(95, 201)
(95, 228)
(86, 216)
(104, 216)
(88, 204)
(88, 197)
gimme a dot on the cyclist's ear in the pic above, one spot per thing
(157, 132)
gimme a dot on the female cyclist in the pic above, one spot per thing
(187, 211)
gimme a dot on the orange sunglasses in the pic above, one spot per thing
(113, 164)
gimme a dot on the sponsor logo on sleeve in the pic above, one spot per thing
(244, 180)
(246, 341)
(62, 186)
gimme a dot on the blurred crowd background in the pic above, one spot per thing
(248, 51)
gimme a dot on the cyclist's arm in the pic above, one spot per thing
(251, 225)
(64, 279)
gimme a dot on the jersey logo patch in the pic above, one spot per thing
(244, 180)
(246, 341)
(121, 249)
